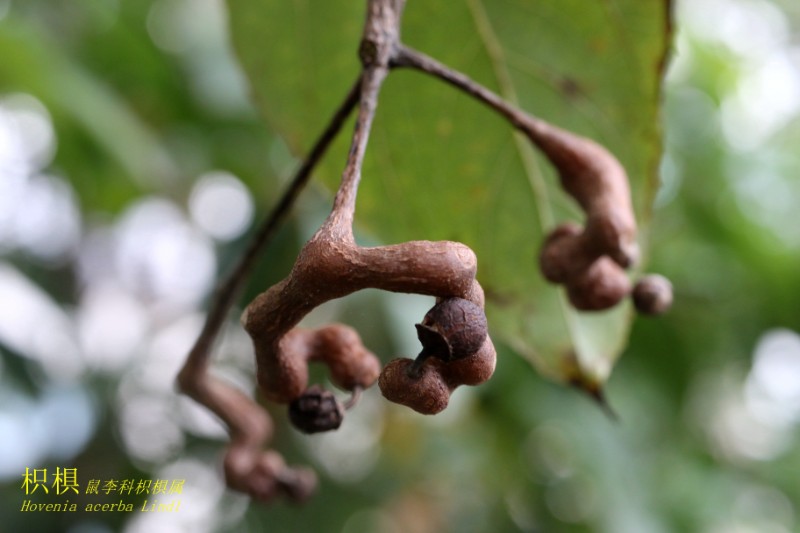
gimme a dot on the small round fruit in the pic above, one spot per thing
(454, 328)
(652, 295)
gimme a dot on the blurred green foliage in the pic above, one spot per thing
(145, 97)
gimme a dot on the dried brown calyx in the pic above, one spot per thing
(316, 410)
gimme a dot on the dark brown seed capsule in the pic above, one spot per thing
(316, 410)
(652, 295)
(452, 329)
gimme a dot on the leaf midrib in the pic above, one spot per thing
(536, 180)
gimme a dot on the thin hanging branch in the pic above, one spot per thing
(248, 424)
(230, 287)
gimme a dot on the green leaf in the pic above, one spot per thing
(442, 166)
